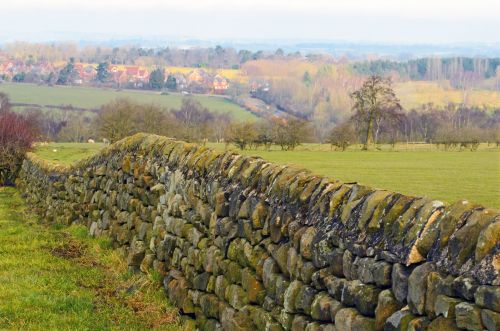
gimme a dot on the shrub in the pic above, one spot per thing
(17, 133)
(342, 136)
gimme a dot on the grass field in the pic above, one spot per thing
(420, 170)
(67, 153)
(91, 98)
(60, 279)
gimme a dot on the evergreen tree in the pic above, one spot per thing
(102, 72)
(67, 74)
(157, 79)
(171, 83)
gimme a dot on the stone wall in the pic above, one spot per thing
(245, 244)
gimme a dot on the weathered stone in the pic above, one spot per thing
(347, 261)
(345, 318)
(487, 240)
(468, 316)
(442, 323)
(314, 326)
(299, 323)
(386, 306)
(200, 281)
(418, 324)
(362, 323)
(306, 242)
(324, 308)
(336, 262)
(209, 305)
(137, 253)
(335, 286)
(305, 299)
(399, 321)
(291, 295)
(464, 287)
(366, 299)
(490, 319)
(445, 306)
(236, 296)
(417, 287)
(381, 272)
(433, 281)
(488, 297)
(399, 281)
(254, 289)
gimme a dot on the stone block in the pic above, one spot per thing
(468, 316)
(386, 306)
(417, 288)
(490, 319)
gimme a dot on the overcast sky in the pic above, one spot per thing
(408, 21)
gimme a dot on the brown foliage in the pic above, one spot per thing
(17, 133)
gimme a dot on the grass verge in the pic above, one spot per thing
(58, 278)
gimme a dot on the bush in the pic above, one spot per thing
(17, 133)
(342, 136)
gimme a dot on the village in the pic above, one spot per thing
(188, 80)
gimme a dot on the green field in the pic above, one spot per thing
(92, 98)
(419, 170)
(54, 278)
(67, 153)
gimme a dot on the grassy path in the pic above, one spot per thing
(60, 279)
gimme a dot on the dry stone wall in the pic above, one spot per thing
(244, 244)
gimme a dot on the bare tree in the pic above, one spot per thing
(374, 100)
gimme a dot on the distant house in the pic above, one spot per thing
(89, 73)
(220, 85)
(197, 76)
(180, 81)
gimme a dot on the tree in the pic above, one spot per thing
(102, 72)
(117, 119)
(288, 134)
(307, 79)
(67, 74)
(171, 83)
(242, 134)
(374, 100)
(343, 135)
(17, 133)
(194, 120)
(157, 79)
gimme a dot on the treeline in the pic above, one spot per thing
(210, 57)
(432, 68)
(451, 128)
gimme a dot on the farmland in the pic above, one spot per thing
(422, 170)
(92, 98)
(414, 94)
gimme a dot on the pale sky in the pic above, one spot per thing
(408, 21)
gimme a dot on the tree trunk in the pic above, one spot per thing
(369, 134)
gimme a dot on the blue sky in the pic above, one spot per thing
(398, 21)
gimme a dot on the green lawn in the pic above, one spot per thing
(88, 97)
(419, 170)
(55, 278)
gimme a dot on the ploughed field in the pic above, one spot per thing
(58, 278)
(420, 170)
(94, 98)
